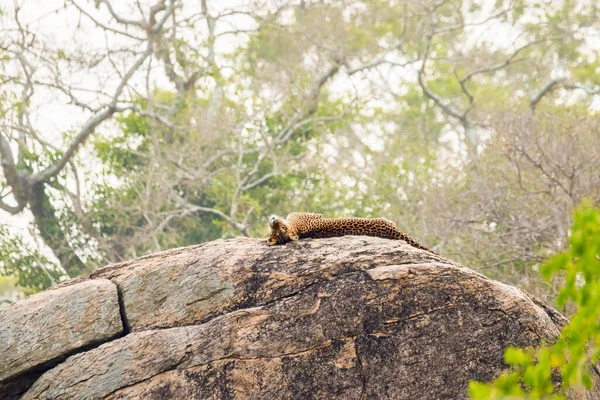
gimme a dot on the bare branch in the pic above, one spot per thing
(7, 161)
(162, 120)
(463, 86)
(109, 110)
(104, 26)
(463, 25)
(81, 137)
(548, 86)
(311, 107)
(436, 99)
(511, 59)
(118, 18)
(194, 208)
(260, 180)
(577, 86)
(319, 83)
(13, 210)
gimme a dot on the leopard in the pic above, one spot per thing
(312, 225)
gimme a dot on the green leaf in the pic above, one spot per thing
(516, 356)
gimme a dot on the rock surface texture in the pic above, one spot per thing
(339, 318)
(38, 331)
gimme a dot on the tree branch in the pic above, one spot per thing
(109, 110)
(577, 86)
(259, 180)
(104, 26)
(194, 208)
(7, 161)
(118, 18)
(436, 99)
(548, 86)
(13, 210)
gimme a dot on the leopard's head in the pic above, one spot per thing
(279, 231)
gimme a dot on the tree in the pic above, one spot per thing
(29, 66)
(514, 202)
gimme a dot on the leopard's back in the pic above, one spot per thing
(309, 225)
(332, 227)
(304, 222)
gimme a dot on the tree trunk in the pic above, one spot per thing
(46, 221)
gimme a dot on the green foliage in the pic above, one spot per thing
(32, 270)
(549, 371)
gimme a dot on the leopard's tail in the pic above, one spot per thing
(412, 242)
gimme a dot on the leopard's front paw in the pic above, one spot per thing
(271, 242)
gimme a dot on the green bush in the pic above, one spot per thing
(550, 370)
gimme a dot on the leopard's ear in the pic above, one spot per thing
(293, 236)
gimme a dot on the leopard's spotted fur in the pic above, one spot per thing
(308, 225)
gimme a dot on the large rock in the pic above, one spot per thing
(191, 285)
(48, 327)
(346, 318)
